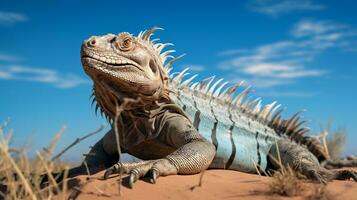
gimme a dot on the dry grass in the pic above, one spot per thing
(21, 177)
(336, 142)
(200, 181)
(285, 183)
(320, 193)
(333, 140)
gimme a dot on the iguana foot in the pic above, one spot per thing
(323, 175)
(151, 168)
(316, 175)
(345, 175)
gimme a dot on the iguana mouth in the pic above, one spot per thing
(124, 64)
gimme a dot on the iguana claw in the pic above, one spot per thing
(151, 169)
(345, 175)
(134, 176)
(154, 174)
(123, 168)
(314, 175)
(108, 172)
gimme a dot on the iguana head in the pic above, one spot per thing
(126, 66)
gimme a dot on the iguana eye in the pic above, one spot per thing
(124, 42)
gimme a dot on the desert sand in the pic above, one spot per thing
(216, 184)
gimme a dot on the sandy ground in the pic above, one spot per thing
(216, 184)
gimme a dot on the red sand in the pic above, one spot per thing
(216, 184)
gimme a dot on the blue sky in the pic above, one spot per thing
(301, 53)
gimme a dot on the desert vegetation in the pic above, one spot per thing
(335, 141)
(21, 177)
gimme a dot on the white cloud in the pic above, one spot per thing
(272, 64)
(10, 18)
(233, 52)
(280, 71)
(279, 7)
(265, 82)
(314, 27)
(41, 75)
(267, 88)
(284, 59)
(287, 94)
(196, 67)
(7, 57)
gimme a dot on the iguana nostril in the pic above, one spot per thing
(91, 42)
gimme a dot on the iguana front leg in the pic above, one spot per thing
(192, 155)
(290, 154)
(191, 158)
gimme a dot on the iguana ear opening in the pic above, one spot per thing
(153, 66)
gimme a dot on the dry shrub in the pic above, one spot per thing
(320, 193)
(285, 183)
(20, 177)
(336, 142)
(333, 140)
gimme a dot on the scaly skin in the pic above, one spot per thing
(152, 127)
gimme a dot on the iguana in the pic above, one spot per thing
(179, 127)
